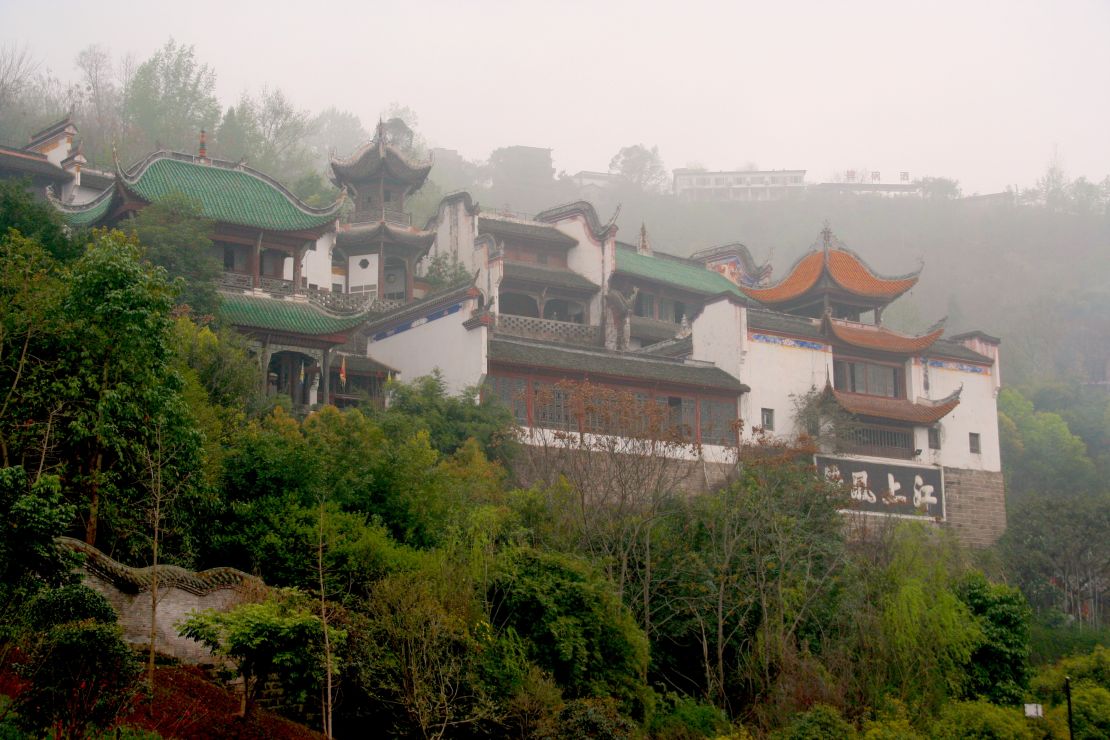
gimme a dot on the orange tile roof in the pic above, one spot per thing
(853, 275)
(896, 409)
(801, 278)
(845, 268)
(880, 338)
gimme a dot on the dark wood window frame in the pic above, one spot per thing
(699, 413)
(840, 377)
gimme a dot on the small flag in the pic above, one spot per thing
(343, 372)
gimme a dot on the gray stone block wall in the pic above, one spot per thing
(976, 505)
(174, 605)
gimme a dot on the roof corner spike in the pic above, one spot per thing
(644, 246)
(203, 150)
(826, 237)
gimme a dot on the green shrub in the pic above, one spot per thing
(1093, 668)
(595, 718)
(1090, 712)
(685, 718)
(980, 720)
(819, 723)
(73, 603)
(573, 626)
(82, 675)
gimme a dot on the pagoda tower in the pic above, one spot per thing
(378, 178)
(832, 279)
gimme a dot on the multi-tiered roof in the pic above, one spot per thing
(832, 278)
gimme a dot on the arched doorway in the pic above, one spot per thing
(293, 374)
(560, 309)
(518, 304)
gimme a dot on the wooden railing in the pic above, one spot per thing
(389, 215)
(549, 330)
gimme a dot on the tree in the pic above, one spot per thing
(269, 133)
(641, 166)
(114, 376)
(573, 625)
(29, 315)
(1039, 452)
(82, 675)
(101, 125)
(625, 460)
(177, 237)
(17, 70)
(764, 555)
(34, 220)
(171, 97)
(35, 513)
(421, 651)
(449, 420)
(337, 131)
(1057, 548)
(998, 670)
(939, 188)
(279, 636)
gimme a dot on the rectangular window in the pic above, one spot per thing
(645, 305)
(716, 422)
(767, 419)
(934, 438)
(666, 309)
(551, 407)
(881, 442)
(511, 392)
(867, 378)
(973, 443)
(679, 311)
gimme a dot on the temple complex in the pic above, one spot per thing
(334, 302)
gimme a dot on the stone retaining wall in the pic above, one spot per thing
(976, 505)
(180, 592)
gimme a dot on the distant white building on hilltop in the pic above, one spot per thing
(741, 185)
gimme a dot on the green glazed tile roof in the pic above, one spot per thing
(87, 214)
(676, 272)
(235, 196)
(276, 314)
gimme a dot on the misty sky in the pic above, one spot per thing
(984, 92)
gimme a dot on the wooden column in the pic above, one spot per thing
(381, 269)
(298, 257)
(256, 264)
(409, 269)
(325, 377)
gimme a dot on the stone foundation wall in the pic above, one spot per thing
(180, 592)
(976, 505)
(174, 605)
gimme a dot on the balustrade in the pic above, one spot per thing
(549, 330)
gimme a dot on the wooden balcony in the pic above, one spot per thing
(549, 330)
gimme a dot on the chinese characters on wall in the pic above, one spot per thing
(886, 488)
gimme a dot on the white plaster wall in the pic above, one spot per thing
(459, 353)
(718, 336)
(317, 262)
(455, 231)
(56, 150)
(589, 259)
(775, 372)
(77, 194)
(977, 412)
(368, 275)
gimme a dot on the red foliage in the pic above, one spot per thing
(187, 705)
